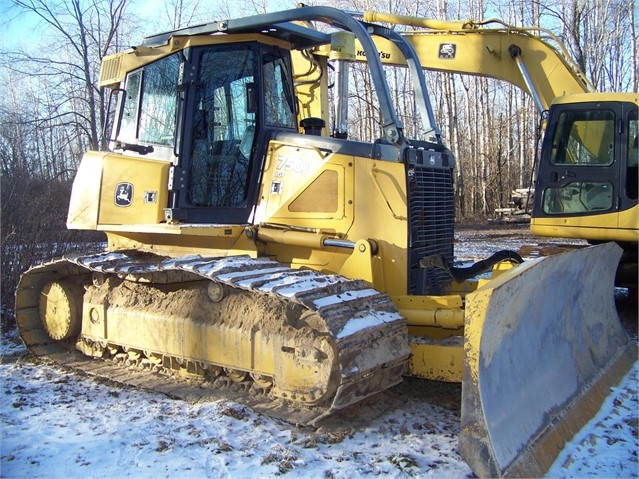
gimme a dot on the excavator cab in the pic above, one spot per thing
(587, 181)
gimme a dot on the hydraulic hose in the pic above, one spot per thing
(462, 274)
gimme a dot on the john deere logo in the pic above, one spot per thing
(123, 194)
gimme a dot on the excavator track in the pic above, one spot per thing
(294, 344)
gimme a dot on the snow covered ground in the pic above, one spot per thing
(58, 424)
(55, 425)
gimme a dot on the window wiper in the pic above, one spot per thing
(141, 149)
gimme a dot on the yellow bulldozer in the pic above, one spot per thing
(249, 245)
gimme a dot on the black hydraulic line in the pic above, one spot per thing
(462, 274)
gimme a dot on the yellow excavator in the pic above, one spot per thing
(250, 247)
(586, 183)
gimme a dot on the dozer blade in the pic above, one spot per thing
(543, 346)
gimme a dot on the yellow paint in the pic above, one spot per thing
(618, 226)
(437, 362)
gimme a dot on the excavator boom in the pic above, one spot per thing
(532, 59)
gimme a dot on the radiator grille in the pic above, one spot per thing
(431, 210)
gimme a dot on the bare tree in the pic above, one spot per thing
(180, 13)
(79, 34)
(252, 7)
(602, 37)
(53, 112)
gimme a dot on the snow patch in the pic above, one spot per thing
(344, 297)
(356, 324)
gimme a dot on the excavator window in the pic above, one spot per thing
(589, 159)
(583, 154)
(584, 137)
(579, 197)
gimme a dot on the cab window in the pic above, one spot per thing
(578, 197)
(150, 105)
(584, 138)
(224, 127)
(633, 155)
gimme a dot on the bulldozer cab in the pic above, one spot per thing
(203, 108)
(210, 104)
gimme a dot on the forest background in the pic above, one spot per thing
(52, 110)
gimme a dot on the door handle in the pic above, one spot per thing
(568, 174)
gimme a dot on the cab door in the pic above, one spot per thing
(628, 215)
(584, 179)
